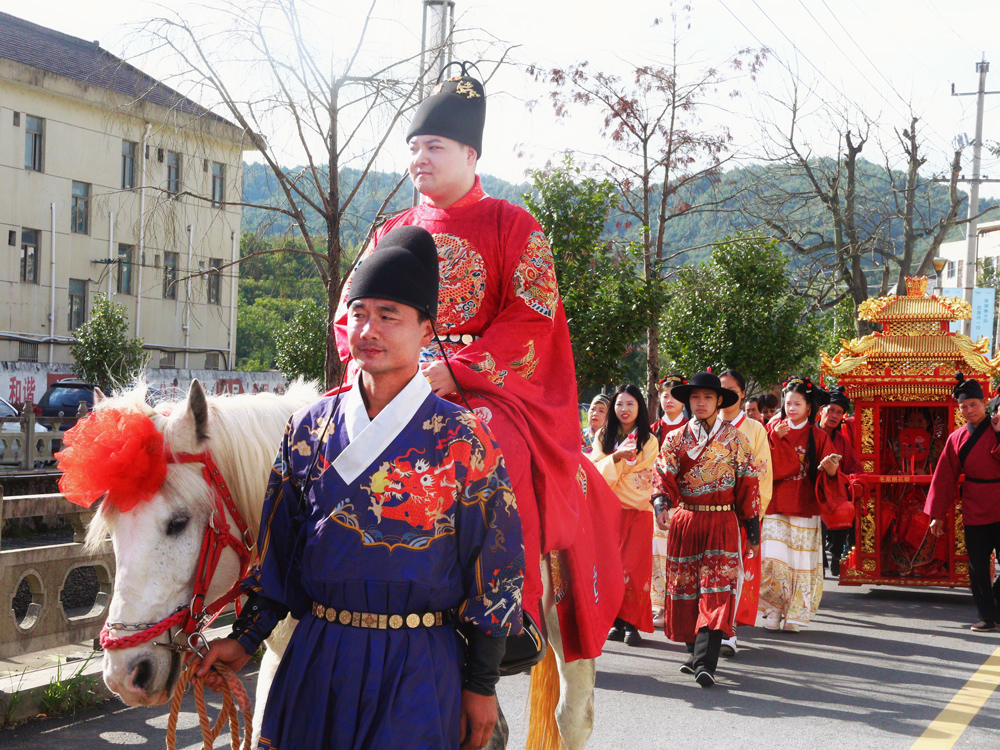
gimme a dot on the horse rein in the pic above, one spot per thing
(193, 618)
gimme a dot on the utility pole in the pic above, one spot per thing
(971, 260)
(436, 38)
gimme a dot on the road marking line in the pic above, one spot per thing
(945, 730)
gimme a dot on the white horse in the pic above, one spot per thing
(157, 545)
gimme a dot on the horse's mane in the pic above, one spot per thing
(244, 434)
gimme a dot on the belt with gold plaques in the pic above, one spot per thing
(381, 622)
(717, 508)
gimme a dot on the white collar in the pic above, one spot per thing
(669, 423)
(797, 426)
(738, 419)
(368, 438)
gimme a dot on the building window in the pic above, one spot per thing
(168, 360)
(29, 255)
(27, 351)
(215, 281)
(951, 269)
(33, 134)
(128, 164)
(218, 183)
(125, 264)
(173, 172)
(80, 209)
(170, 276)
(212, 361)
(959, 279)
(77, 303)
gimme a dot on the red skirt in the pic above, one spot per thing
(703, 567)
(637, 563)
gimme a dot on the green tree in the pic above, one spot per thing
(600, 289)
(738, 311)
(257, 328)
(301, 343)
(103, 352)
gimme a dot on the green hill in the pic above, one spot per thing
(729, 197)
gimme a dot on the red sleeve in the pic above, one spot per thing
(850, 463)
(525, 350)
(831, 492)
(747, 490)
(785, 461)
(666, 468)
(944, 484)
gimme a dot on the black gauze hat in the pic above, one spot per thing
(456, 110)
(403, 268)
(839, 398)
(966, 389)
(707, 380)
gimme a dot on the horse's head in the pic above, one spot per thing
(156, 512)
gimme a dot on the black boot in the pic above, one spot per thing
(617, 632)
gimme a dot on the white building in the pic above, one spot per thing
(113, 183)
(988, 246)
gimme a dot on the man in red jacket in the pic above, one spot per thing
(973, 450)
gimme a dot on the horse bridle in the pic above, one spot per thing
(193, 618)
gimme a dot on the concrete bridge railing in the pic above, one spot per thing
(44, 572)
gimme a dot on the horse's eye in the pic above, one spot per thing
(177, 525)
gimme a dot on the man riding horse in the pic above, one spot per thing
(502, 326)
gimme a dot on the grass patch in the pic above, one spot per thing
(14, 699)
(72, 694)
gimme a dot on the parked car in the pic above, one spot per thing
(62, 399)
(7, 410)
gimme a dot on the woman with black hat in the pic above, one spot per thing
(706, 487)
(806, 475)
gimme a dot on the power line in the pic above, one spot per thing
(865, 55)
(898, 46)
(944, 18)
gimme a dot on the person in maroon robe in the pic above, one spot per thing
(502, 325)
(973, 450)
(832, 422)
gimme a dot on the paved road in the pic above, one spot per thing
(872, 673)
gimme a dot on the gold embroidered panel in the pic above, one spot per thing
(867, 431)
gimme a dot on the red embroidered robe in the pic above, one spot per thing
(703, 546)
(508, 343)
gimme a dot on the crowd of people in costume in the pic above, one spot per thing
(722, 494)
(751, 498)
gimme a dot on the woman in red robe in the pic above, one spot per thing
(806, 475)
(624, 452)
(671, 418)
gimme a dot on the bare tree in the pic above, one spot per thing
(656, 147)
(335, 114)
(839, 216)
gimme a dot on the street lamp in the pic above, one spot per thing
(939, 264)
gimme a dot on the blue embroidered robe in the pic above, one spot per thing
(411, 512)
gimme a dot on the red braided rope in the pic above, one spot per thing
(127, 641)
